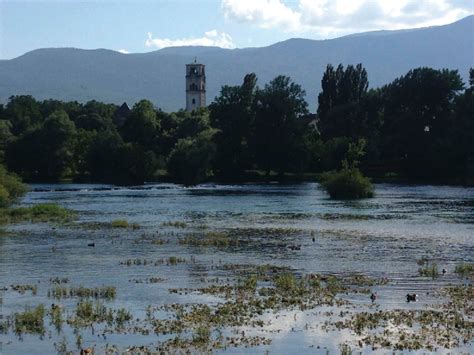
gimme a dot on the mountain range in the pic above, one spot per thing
(110, 76)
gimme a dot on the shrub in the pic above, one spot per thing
(347, 184)
(11, 187)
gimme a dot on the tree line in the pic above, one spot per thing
(420, 126)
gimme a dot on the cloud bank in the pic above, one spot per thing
(328, 18)
(210, 38)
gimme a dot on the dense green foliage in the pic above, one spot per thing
(420, 126)
(11, 188)
(347, 184)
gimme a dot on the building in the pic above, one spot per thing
(195, 86)
(121, 115)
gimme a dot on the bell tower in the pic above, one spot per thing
(195, 86)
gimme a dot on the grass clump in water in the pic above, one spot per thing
(122, 317)
(174, 260)
(43, 212)
(202, 336)
(89, 313)
(464, 269)
(104, 292)
(22, 289)
(30, 321)
(285, 282)
(211, 238)
(175, 224)
(122, 223)
(429, 270)
(56, 315)
(347, 184)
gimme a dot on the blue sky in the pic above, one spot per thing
(142, 26)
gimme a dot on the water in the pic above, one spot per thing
(379, 237)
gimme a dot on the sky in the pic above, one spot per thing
(136, 26)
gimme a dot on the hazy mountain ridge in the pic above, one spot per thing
(110, 76)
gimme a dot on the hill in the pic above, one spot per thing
(109, 76)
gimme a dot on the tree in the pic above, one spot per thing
(45, 153)
(5, 137)
(93, 121)
(142, 126)
(11, 188)
(190, 160)
(339, 109)
(417, 117)
(232, 113)
(23, 112)
(278, 108)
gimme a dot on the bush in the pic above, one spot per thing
(11, 188)
(347, 184)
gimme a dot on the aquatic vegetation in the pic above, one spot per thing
(45, 212)
(122, 223)
(347, 184)
(22, 289)
(448, 327)
(464, 269)
(285, 282)
(175, 224)
(345, 349)
(103, 292)
(158, 242)
(429, 270)
(422, 261)
(56, 315)
(202, 336)
(87, 313)
(122, 316)
(61, 347)
(211, 238)
(174, 260)
(30, 321)
(59, 280)
(151, 280)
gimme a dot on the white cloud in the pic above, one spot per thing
(264, 13)
(123, 51)
(210, 38)
(329, 18)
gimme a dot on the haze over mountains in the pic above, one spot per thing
(110, 76)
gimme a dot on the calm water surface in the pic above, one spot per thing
(380, 237)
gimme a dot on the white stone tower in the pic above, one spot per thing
(195, 86)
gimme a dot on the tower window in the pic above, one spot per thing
(194, 101)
